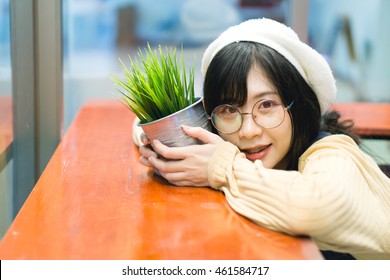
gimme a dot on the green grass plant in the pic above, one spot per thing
(156, 83)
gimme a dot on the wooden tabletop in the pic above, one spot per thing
(372, 120)
(96, 201)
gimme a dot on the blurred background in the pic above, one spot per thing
(352, 35)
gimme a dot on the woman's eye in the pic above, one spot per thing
(231, 110)
(267, 104)
(226, 110)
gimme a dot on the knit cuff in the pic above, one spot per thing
(221, 161)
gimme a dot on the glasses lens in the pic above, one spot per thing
(226, 119)
(268, 113)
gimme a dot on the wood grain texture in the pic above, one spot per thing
(96, 201)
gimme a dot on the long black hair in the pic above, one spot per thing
(226, 82)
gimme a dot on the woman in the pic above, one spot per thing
(281, 159)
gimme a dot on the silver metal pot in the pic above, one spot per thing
(168, 129)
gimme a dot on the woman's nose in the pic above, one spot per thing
(249, 127)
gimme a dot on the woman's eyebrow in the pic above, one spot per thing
(265, 94)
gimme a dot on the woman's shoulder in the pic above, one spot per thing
(339, 149)
(334, 141)
(336, 145)
(340, 152)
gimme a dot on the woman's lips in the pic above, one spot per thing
(259, 154)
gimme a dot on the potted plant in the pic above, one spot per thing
(160, 92)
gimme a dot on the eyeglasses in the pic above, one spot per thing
(267, 113)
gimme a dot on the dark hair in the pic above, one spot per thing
(226, 82)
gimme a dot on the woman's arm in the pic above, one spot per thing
(330, 200)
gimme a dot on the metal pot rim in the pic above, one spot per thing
(198, 100)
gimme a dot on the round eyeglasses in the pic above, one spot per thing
(267, 113)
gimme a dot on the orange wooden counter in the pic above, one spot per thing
(6, 130)
(372, 120)
(96, 201)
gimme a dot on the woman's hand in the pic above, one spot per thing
(182, 166)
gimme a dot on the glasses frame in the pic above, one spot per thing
(242, 114)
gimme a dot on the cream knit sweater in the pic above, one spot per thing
(339, 196)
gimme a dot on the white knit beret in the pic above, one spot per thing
(310, 64)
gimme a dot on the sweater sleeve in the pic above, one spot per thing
(332, 198)
(137, 131)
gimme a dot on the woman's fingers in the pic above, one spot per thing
(167, 166)
(169, 152)
(178, 173)
(145, 161)
(147, 151)
(144, 139)
(202, 134)
(182, 166)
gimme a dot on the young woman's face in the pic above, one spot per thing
(270, 145)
